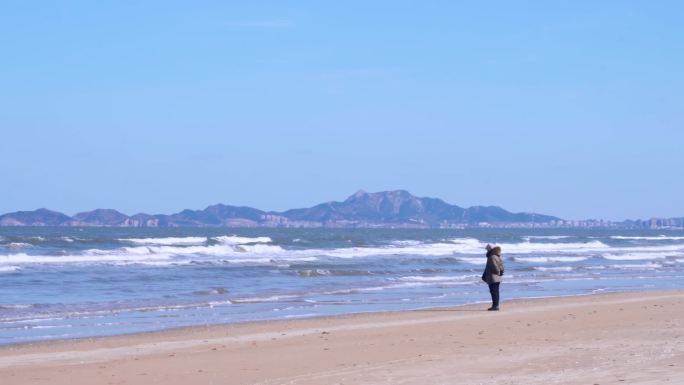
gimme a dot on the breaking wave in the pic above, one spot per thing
(558, 269)
(658, 238)
(549, 259)
(195, 241)
(641, 266)
(18, 245)
(170, 241)
(532, 248)
(635, 256)
(335, 273)
(473, 261)
(22, 258)
(459, 246)
(235, 240)
(173, 251)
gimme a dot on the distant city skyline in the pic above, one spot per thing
(567, 109)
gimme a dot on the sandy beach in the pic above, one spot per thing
(625, 338)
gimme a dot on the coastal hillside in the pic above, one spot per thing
(397, 208)
(401, 208)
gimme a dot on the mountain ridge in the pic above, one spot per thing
(396, 208)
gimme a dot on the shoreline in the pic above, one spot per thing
(595, 336)
(181, 329)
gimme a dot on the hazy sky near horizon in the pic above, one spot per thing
(568, 108)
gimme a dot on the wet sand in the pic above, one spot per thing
(625, 338)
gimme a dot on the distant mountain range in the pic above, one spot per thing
(382, 209)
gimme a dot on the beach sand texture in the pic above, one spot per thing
(622, 338)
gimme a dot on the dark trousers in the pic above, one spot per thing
(494, 291)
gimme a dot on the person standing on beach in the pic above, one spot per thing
(492, 274)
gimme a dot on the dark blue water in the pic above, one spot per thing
(70, 283)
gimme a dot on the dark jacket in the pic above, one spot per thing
(494, 268)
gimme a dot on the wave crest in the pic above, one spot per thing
(169, 241)
(235, 240)
(549, 259)
(658, 238)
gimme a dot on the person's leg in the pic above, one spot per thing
(495, 295)
(493, 292)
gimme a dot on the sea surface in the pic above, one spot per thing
(60, 283)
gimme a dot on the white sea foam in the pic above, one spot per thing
(245, 250)
(271, 298)
(460, 246)
(305, 315)
(280, 261)
(164, 263)
(22, 258)
(168, 255)
(96, 313)
(406, 243)
(212, 250)
(554, 269)
(170, 241)
(473, 261)
(550, 259)
(261, 250)
(413, 284)
(50, 327)
(444, 283)
(432, 249)
(589, 249)
(216, 250)
(235, 240)
(535, 248)
(419, 278)
(18, 245)
(395, 284)
(646, 266)
(252, 253)
(468, 245)
(454, 247)
(635, 256)
(530, 280)
(314, 273)
(528, 237)
(9, 269)
(242, 247)
(474, 246)
(658, 238)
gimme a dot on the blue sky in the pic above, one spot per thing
(570, 108)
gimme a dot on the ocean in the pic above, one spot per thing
(61, 283)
